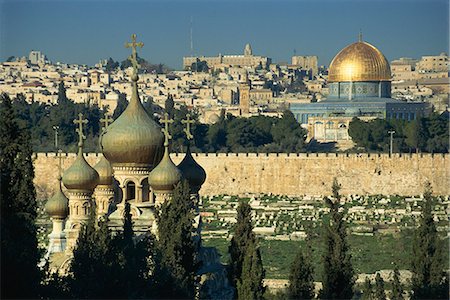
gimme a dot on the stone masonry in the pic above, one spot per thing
(295, 174)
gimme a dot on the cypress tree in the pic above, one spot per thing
(250, 284)
(122, 104)
(367, 292)
(429, 280)
(94, 267)
(178, 253)
(20, 275)
(397, 288)
(301, 282)
(380, 294)
(242, 237)
(169, 105)
(338, 275)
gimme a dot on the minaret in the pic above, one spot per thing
(104, 192)
(57, 208)
(80, 180)
(166, 175)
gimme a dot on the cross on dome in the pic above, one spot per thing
(80, 121)
(106, 121)
(133, 56)
(188, 121)
(166, 121)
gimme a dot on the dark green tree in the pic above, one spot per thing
(250, 284)
(429, 280)
(367, 292)
(94, 267)
(169, 105)
(338, 274)
(199, 66)
(380, 293)
(111, 65)
(243, 236)
(397, 288)
(122, 104)
(301, 281)
(177, 247)
(20, 275)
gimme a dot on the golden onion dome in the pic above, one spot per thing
(58, 206)
(165, 176)
(133, 139)
(359, 61)
(105, 172)
(192, 171)
(80, 176)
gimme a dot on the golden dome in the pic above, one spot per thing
(58, 206)
(192, 172)
(80, 176)
(359, 61)
(165, 176)
(133, 138)
(105, 172)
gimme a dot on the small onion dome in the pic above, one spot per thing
(165, 176)
(58, 206)
(104, 170)
(80, 176)
(192, 171)
(133, 138)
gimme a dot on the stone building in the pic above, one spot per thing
(308, 63)
(245, 60)
(359, 82)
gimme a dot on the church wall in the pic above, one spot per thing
(293, 174)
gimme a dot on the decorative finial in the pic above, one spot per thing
(165, 130)
(188, 123)
(133, 56)
(58, 155)
(80, 121)
(360, 36)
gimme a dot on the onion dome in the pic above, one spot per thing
(58, 206)
(80, 176)
(105, 172)
(133, 138)
(192, 171)
(166, 175)
(359, 61)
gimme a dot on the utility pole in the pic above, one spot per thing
(55, 128)
(391, 132)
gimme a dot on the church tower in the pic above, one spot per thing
(80, 180)
(57, 208)
(133, 146)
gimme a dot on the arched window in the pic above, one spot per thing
(131, 190)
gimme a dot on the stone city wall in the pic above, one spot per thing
(295, 174)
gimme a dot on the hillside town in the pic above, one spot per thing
(224, 83)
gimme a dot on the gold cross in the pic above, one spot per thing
(133, 56)
(106, 121)
(165, 130)
(188, 123)
(80, 123)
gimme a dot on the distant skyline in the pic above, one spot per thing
(83, 32)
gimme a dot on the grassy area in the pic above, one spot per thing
(369, 253)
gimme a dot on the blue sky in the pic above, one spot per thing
(81, 31)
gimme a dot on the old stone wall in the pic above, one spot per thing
(295, 174)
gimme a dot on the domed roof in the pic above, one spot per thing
(165, 176)
(214, 118)
(58, 205)
(133, 139)
(359, 61)
(192, 171)
(80, 176)
(105, 172)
